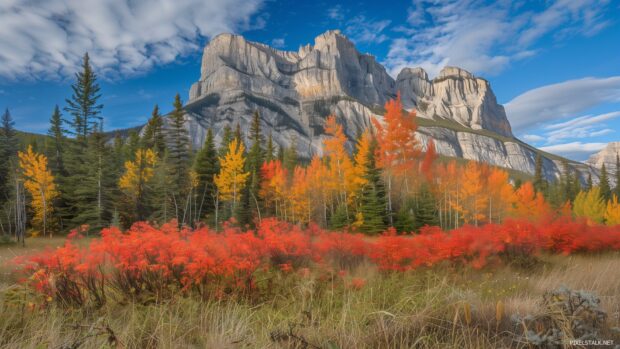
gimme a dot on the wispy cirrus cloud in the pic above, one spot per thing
(46, 39)
(574, 150)
(563, 100)
(359, 28)
(485, 37)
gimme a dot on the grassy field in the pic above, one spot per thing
(439, 307)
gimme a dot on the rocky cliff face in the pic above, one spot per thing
(294, 92)
(606, 156)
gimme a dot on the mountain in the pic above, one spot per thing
(294, 92)
(606, 156)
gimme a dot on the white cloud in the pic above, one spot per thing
(46, 39)
(363, 30)
(278, 42)
(574, 150)
(484, 37)
(562, 100)
(335, 13)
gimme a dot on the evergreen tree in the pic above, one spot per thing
(8, 152)
(83, 190)
(56, 151)
(154, 137)
(57, 140)
(604, 184)
(539, 181)
(227, 137)
(404, 221)
(250, 200)
(290, 156)
(178, 157)
(425, 211)
(576, 181)
(238, 135)
(589, 184)
(132, 146)
(269, 150)
(206, 167)
(83, 104)
(339, 220)
(372, 197)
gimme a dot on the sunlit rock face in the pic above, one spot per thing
(295, 91)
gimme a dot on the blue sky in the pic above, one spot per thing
(555, 64)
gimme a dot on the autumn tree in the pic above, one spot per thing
(135, 180)
(472, 193)
(232, 176)
(529, 204)
(590, 205)
(397, 146)
(612, 211)
(39, 182)
(617, 189)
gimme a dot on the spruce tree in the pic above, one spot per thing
(238, 135)
(133, 144)
(425, 211)
(404, 221)
(227, 137)
(372, 197)
(269, 150)
(57, 144)
(81, 191)
(604, 184)
(250, 201)
(539, 181)
(178, 157)
(589, 184)
(83, 104)
(577, 188)
(206, 167)
(339, 219)
(8, 152)
(154, 137)
(290, 157)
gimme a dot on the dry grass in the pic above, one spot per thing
(442, 307)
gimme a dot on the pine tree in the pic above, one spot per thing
(372, 197)
(132, 146)
(83, 104)
(227, 137)
(206, 167)
(8, 153)
(290, 156)
(269, 150)
(339, 220)
(57, 146)
(539, 181)
(238, 135)
(604, 184)
(425, 211)
(589, 184)
(250, 200)
(404, 220)
(154, 137)
(178, 157)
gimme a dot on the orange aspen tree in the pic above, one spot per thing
(274, 187)
(299, 196)
(340, 163)
(529, 204)
(398, 148)
(472, 192)
(232, 178)
(39, 182)
(427, 162)
(500, 195)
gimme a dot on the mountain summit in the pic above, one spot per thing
(294, 92)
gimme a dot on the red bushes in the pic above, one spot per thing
(160, 261)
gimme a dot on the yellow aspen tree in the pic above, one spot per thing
(138, 173)
(612, 212)
(590, 205)
(340, 163)
(39, 182)
(232, 179)
(472, 193)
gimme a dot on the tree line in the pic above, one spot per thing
(80, 177)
